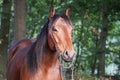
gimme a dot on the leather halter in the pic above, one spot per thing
(62, 67)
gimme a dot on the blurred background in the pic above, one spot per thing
(96, 34)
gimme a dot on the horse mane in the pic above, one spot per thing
(35, 53)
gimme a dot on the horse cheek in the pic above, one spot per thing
(51, 44)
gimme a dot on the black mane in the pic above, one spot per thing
(35, 53)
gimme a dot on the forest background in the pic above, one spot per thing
(96, 35)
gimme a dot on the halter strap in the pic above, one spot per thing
(71, 66)
(61, 67)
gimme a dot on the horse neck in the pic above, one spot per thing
(49, 59)
(45, 56)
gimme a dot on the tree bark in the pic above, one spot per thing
(19, 19)
(93, 65)
(4, 33)
(95, 55)
(103, 38)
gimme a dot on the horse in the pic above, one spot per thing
(38, 59)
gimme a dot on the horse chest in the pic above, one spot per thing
(51, 74)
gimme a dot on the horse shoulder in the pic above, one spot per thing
(24, 72)
(19, 46)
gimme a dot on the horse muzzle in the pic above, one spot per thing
(68, 56)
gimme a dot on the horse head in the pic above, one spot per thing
(60, 34)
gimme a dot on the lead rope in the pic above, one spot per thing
(61, 67)
(72, 72)
(60, 59)
(71, 66)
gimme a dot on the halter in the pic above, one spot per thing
(62, 67)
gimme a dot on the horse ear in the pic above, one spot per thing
(67, 13)
(52, 12)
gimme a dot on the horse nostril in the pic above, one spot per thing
(66, 54)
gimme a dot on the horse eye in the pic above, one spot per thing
(54, 29)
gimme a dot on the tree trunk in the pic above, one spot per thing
(4, 33)
(95, 55)
(103, 38)
(93, 65)
(19, 20)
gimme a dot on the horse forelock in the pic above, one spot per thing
(56, 17)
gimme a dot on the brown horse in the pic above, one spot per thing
(37, 59)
